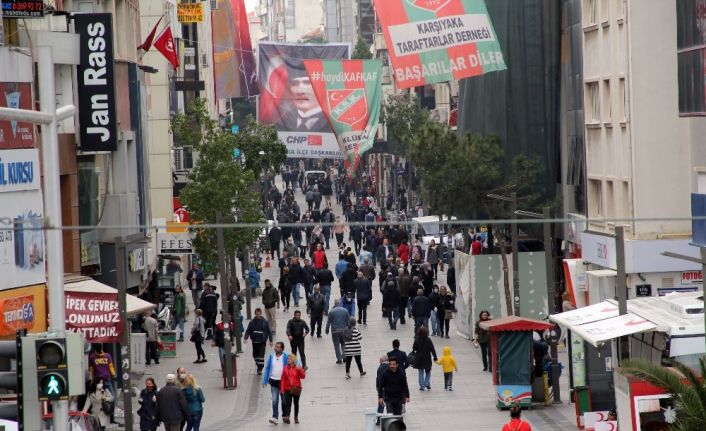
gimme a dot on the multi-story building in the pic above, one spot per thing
(365, 20)
(644, 125)
(340, 22)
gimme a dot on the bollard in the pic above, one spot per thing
(371, 416)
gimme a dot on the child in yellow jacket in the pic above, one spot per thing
(448, 365)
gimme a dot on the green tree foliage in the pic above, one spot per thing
(404, 119)
(313, 39)
(362, 50)
(688, 392)
(220, 185)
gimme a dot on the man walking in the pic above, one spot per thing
(179, 311)
(401, 356)
(270, 300)
(171, 405)
(393, 391)
(151, 328)
(274, 237)
(421, 311)
(364, 293)
(297, 330)
(325, 279)
(273, 375)
(209, 306)
(195, 279)
(337, 322)
(259, 332)
(315, 304)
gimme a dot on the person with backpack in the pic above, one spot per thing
(516, 423)
(352, 347)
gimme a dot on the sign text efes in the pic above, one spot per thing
(96, 83)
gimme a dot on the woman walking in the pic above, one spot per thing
(291, 388)
(97, 397)
(433, 257)
(194, 403)
(424, 348)
(445, 310)
(148, 406)
(352, 348)
(481, 338)
(198, 333)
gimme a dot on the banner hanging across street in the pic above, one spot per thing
(96, 316)
(232, 51)
(287, 98)
(349, 93)
(432, 41)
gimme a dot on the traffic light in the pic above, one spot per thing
(8, 378)
(52, 369)
(392, 423)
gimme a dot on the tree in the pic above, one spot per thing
(220, 189)
(688, 390)
(362, 50)
(403, 118)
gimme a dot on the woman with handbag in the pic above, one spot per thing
(198, 333)
(291, 388)
(100, 401)
(148, 406)
(445, 310)
(424, 350)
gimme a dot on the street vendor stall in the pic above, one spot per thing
(511, 347)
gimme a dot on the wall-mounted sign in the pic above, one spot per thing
(22, 8)
(90, 248)
(190, 12)
(96, 83)
(643, 290)
(137, 260)
(16, 134)
(19, 170)
(599, 249)
(175, 243)
(23, 308)
(691, 277)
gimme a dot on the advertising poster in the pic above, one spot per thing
(232, 51)
(21, 212)
(190, 13)
(433, 41)
(16, 134)
(23, 308)
(287, 98)
(96, 316)
(349, 93)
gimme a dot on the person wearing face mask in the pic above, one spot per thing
(148, 406)
(97, 394)
(181, 375)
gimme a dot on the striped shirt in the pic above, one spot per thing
(352, 347)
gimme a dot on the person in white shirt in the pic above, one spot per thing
(273, 374)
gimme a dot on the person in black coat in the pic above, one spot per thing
(259, 332)
(275, 237)
(392, 387)
(399, 354)
(347, 280)
(356, 235)
(451, 277)
(421, 310)
(209, 306)
(148, 406)
(364, 293)
(171, 405)
(391, 303)
(424, 351)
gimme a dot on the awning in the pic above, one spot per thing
(601, 322)
(135, 305)
(514, 323)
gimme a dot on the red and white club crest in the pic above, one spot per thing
(348, 106)
(430, 5)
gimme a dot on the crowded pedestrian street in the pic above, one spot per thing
(331, 402)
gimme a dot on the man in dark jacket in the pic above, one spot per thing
(195, 279)
(364, 293)
(391, 303)
(384, 365)
(393, 390)
(347, 280)
(356, 235)
(399, 354)
(171, 405)
(296, 279)
(404, 281)
(209, 306)
(297, 330)
(421, 311)
(451, 277)
(274, 237)
(315, 306)
(384, 252)
(259, 332)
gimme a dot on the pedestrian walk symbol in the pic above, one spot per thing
(53, 388)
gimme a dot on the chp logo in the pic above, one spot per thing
(348, 106)
(430, 5)
(18, 313)
(315, 140)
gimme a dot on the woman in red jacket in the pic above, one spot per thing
(403, 252)
(291, 388)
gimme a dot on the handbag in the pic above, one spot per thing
(196, 337)
(412, 358)
(295, 390)
(448, 314)
(107, 407)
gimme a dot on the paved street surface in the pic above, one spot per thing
(329, 402)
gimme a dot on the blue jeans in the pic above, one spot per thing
(418, 322)
(275, 400)
(178, 322)
(326, 291)
(392, 317)
(295, 294)
(434, 323)
(193, 421)
(424, 378)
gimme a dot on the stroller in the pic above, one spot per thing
(348, 302)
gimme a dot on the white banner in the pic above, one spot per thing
(22, 258)
(311, 145)
(175, 243)
(463, 294)
(19, 170)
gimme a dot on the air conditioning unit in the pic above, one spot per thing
(214, 4)
(183, 159)
(379, 42)
(178, 159)
(440, 115)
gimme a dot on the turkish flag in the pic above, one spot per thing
(147, 44)
(165, 45)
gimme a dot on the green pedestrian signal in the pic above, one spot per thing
(52, 387)
(52, 369)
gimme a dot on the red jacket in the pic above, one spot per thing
(517, 425)
(319, 259)
(403, 252)
(291, 376)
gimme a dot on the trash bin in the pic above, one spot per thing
(371, 416)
